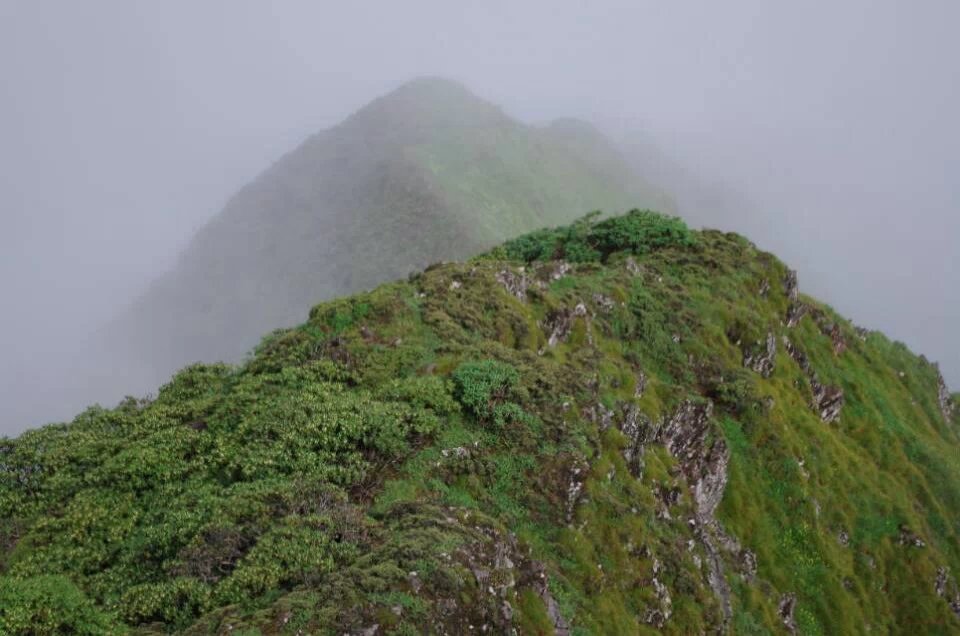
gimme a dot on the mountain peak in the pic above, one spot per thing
(434, 102)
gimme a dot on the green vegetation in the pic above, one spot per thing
(638, 232)
(508, 443)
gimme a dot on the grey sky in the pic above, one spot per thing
(124, 125)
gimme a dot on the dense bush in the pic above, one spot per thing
(638, 231)
(482, 387)
(48, 605)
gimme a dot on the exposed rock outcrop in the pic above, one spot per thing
(637, 428)
(516, 283)
(827, 400)
(534, 576)
(908, 537)
(604, 303)
(946, 588)
(788, 603)
(830, 329)
(553, 270)
(944, 397)
(558, 324)
(798, 355)
(641, 385)
(762, 359)
(795, 312)
(940, 584)
(658, 617)
(599, 415)
(796, 309)
(579, 472)
(704, 460)
(764, 290)
(791, 286)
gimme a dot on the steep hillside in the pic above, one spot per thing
(616, 427)
(426, 173)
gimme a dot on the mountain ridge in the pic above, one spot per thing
(428, 172)
(616, 426)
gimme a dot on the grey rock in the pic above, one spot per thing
(830, 329)
(843, 538)
(791, 286)
(633, 426)
(762, 359)
(940, 585)
(748, 562)
(641, 385)
(703, 460)
(908, 537)
(944, 397)
(704, 463)
(827, 400)
(796, 309)
(516, 283)
(604, 303)
(838, 339)
(534, 575)
(558, 270)
(795, 312)
(578, 476)
(559, 322)
(788, 603)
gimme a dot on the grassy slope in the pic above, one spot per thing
(363, 468)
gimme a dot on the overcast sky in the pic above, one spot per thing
(124, 125)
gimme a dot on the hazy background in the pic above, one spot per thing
(125, 125)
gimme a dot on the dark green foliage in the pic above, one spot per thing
(637, 232)
(407, 450)
(734, 390)
(48, 605)
(482, 387)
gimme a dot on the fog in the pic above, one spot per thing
(125, 125)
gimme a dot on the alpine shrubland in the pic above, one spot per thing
(620, 426)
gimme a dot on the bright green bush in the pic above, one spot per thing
(294, 552)
(176, 602)
(48, 605)
(638, 232)
(482, 386)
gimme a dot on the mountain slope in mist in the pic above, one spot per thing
(426, 173)
(615, 427)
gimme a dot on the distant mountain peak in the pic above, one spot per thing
(428, 101)
(427, 172)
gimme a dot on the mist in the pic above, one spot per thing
(826, 133)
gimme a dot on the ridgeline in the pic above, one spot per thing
(619, 426)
